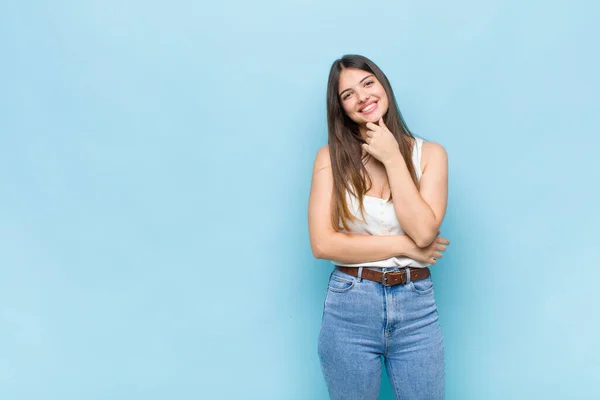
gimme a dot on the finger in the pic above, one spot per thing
(366, 147)
(437, 255)
(381, 123)
(372, 126)
(370, 133)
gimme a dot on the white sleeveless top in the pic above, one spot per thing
(380, 219)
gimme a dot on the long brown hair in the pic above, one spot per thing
(345, 141)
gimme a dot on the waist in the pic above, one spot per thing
(393, 262)
(388, 278)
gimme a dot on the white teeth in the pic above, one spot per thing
(369, 108)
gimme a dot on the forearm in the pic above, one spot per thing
(356, 248)
(414, 214)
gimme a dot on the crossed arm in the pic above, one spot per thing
(326, 243)
(420, 211)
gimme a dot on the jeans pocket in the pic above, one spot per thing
(422, 286)
(340, 284)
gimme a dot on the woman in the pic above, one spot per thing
(377, 199)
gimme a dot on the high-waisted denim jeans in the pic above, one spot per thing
(364, 321)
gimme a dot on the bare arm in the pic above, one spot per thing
(328, 244)
(422, 211)
(354, 248)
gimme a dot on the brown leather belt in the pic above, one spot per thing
(387, 278)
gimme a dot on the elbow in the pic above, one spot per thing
(318, 250)
(318, 253)
(324, 245)
(422, 243)
(426, 239)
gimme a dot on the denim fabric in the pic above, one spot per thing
(364, 321)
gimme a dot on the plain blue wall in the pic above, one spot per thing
(155, 165)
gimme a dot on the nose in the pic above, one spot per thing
(363, 96)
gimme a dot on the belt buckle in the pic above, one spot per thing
(403, 275)
(384, 278)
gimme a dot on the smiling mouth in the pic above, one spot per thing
(370, 108)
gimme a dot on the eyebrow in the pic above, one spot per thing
(368, 76)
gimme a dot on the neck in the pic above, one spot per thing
(363, 131)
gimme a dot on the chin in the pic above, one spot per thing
(372, 118)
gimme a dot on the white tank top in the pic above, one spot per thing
(380, 219)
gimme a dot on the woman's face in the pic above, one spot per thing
(362, 96)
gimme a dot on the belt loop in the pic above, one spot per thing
(407, 274)
(360, 274)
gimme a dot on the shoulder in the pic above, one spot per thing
(433, 152)
(323, 151)
(322, 158)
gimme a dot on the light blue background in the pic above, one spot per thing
(155, 165)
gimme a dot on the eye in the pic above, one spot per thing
(369, 83)
(346, 96)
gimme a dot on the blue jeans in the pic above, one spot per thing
(364, 321)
